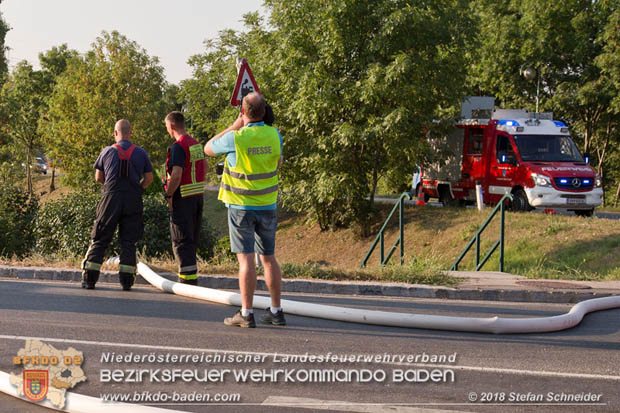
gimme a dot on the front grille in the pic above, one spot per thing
(573, 183)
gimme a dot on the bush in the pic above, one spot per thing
(222, 253)
(64, 227)
(17, 215)
(156, 242)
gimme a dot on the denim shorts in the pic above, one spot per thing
(247, 228)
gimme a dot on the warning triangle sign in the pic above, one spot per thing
(245, 84)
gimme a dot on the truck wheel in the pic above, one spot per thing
(520, 203)
(584, 212)
(446, 198)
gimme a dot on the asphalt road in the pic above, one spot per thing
(495, 370)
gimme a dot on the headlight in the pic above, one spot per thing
(541, 180)
(598, 182)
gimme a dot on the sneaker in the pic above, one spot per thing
(241, 321)
(275, 319)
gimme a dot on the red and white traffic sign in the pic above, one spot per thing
(245, 84)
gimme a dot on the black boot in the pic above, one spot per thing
(188, 282)
(127, 279)
(89, 279)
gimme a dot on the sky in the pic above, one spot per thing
(171, 30)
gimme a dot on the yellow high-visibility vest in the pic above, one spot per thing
(253, 181)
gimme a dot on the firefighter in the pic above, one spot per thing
(124, 170)
(185, 175)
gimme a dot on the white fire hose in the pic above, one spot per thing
(495, 325)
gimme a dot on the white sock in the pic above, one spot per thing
(274, 310)
(245, 312)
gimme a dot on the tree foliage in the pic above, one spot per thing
(609, 60)
(4, 28)
(352, 83)
(360, 81)
(17, 215)
(116, 79)
(22, 101)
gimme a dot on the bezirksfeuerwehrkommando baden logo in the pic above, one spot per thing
(47, 372)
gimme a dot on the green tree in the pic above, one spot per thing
(358, 83)
(609, 62)
(207, 93)
(55, 60)
(172, 98)
(4, 28)
(53, 64)
(115, 79)
(353, 85)
(22, 101)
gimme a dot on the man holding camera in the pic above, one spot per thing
(250, 191)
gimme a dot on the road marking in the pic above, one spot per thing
(254, 353)
(316, 404)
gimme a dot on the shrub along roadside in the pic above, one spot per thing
(63, 227)
(17, 215)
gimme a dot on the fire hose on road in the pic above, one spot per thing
(495, 325)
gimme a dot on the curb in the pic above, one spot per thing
(351, 288)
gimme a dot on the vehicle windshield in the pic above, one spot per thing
(547, 148)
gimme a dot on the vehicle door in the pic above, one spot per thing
(503, 166)
(472, 160)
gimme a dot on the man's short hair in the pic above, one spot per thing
(123, 127)
(177, 119)
(254, 106)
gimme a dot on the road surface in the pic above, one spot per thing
(489, 373)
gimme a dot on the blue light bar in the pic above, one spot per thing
(508, 122)
(559, 124)
(563, 181)
(586, 182)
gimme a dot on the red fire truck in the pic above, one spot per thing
(529, 155)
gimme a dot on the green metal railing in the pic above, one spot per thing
(476, 239)
(401, 237)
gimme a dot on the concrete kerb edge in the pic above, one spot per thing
(330, 287)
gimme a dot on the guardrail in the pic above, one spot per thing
(380, 236)
(476, 239)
